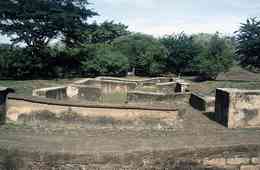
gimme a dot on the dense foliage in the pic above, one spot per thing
(216, 56)
(105, 32)
(248, 50)
(182, 50)
(37, 22)
(103, 60)
(108, 48)
(146, 55)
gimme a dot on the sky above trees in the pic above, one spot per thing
(159, 17)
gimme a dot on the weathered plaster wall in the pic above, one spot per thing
(59, 93)
(168, 87)
(238, 108)
(109, 86)
(155, 98)
(34, 112)
(83, 92)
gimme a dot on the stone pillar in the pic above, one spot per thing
(3, 96)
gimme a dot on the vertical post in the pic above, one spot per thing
(3, 97)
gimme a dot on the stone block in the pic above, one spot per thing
(236, 108)
(238, 161)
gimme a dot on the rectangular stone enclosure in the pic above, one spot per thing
(238, 108)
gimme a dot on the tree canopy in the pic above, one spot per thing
(36, 22)
(105, 32)
(248, 49)
(145, 53)
(216, 56)
(181, 51)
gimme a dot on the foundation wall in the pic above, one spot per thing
(40, 111)
(157, 98)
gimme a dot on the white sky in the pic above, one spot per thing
(160, 17)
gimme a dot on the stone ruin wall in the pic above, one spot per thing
(32, 111)
(202, 102)
(151, 98)
(94, 90)
(238, 108)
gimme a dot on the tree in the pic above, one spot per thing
(146, 54)
(182, 50)
(248, 49)
(105, 32)
(103, 59)
(36, 22)
(215, 57)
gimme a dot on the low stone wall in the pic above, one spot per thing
(37, 110)
(59, 93)
(155, 98)
(225, 158)
(86, 93)
(168, 87)
(109, 86)
(202, 103)
(238, 108)
(141, 81)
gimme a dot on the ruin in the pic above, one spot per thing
(167, 90)
(236, 108)
(71, 127)
(202, 102)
